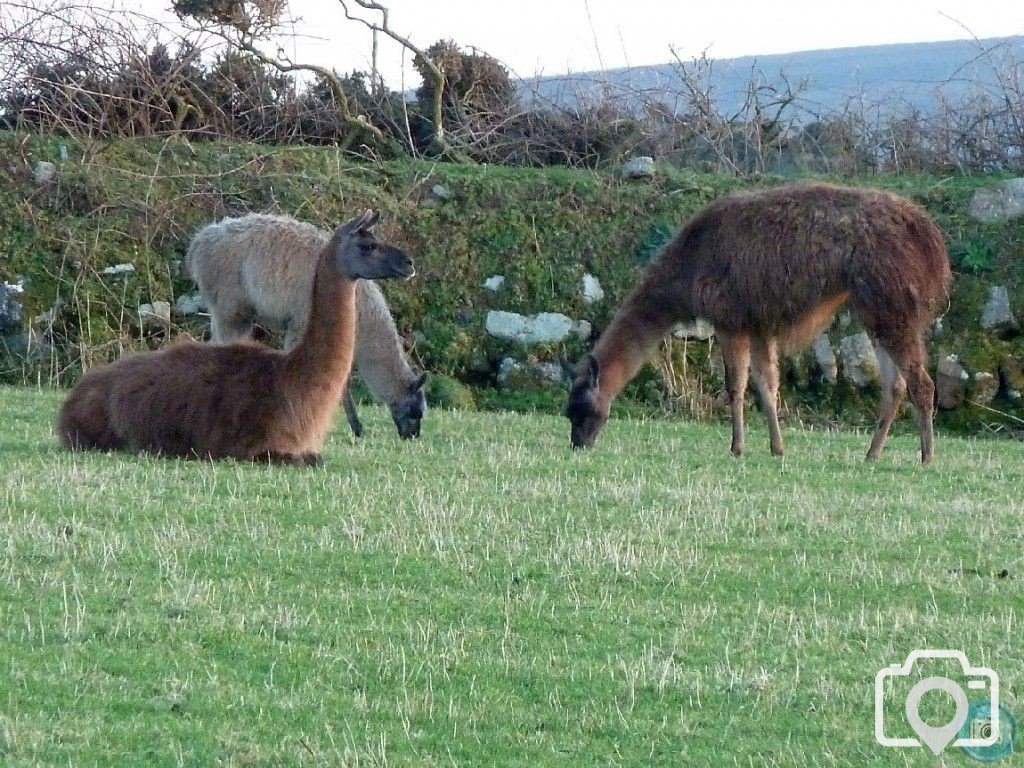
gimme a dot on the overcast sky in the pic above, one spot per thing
(557, 36)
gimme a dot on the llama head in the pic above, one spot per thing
(409, 410)
(586, 410)
(359, 254)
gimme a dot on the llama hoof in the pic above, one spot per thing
(736, 451)
(778, 452)
(357, 430)
(312, 459)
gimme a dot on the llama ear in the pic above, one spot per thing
(366, 219)
(593, 371)
(567, 370)
(417, 385)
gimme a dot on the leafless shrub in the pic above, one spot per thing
(69, 67)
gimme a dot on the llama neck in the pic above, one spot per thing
(628, 342)
(321, 360)
(379, 353)
(382, 367)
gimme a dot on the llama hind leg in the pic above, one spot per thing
(736, 355)
(894, 390)
(765, 366)
(911, 358)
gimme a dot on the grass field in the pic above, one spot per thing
(483, 596)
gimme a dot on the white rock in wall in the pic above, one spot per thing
(44, 172)
(189, 304)
(119, 269)
(512, 372)
(860, 364)
(592, 290)
(640, 167)
(542, 328)
(155, 315)
(951, 383)
(494, 282)
(699, 329)
(997, 315)
(825, 357)
(998, 202)
(986, 387)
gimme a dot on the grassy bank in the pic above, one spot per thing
(139, 202)
(501, 601)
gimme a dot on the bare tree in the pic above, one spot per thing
(244, 24)
(429, 67)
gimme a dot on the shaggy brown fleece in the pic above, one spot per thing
(769, 269)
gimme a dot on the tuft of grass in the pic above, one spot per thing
(485, 596)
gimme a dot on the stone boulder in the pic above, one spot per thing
(860, 364)
(528, 376)
(592, 290)
(582, 329)
(998, 316)
(44, 172)
(155, 316)
(118, 269)
(951, 383)
(699, 329)
(11, 309)
(494, 283)
(1012, 376)
(189, 304)
(825, 358)
(542, 328)
(998, 202)
(638, 168)
(985, 387)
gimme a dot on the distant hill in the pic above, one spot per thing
(882, 77)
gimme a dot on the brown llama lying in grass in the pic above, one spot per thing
(769, 269)
(242, 400)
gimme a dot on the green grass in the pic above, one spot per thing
(484, 596)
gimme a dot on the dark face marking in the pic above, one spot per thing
(584, 410)
(408, 414)
(360, 254)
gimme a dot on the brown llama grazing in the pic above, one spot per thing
(769, 269)
(240, 400)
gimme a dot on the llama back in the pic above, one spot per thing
(189, 415)
(781, 260)
(260, 261)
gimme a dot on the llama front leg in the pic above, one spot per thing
(308, 459)
(350, 410)
(227, 325)
(736, 355)
(765, 366)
